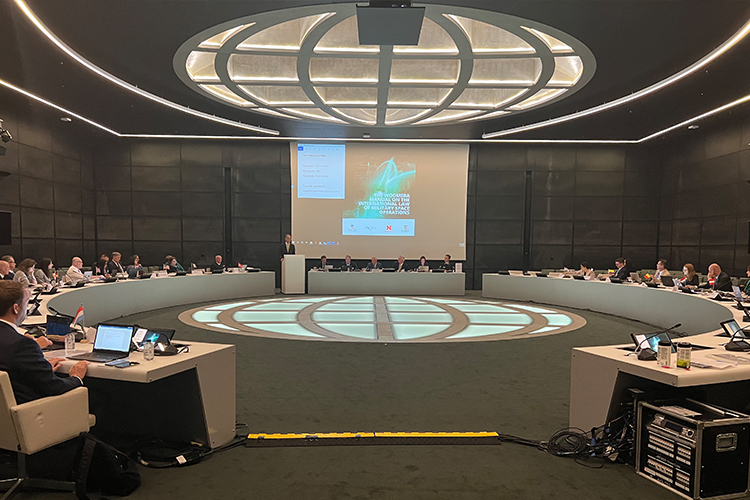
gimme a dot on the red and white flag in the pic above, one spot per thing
(79, 316)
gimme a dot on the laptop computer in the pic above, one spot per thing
(112, 342)
(667, 281)
(635, 277)
(738, 294)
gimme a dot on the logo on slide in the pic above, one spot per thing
(389, 228)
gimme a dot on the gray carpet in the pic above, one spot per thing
(518, 387)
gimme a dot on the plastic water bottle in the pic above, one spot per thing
(70, 343)
(664, 354)
(684, 351)
(148, 351)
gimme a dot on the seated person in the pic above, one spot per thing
(74, 274)
(690, 277)
(399, 266)
(5, 271)
(134, 268)
(746, 291)
(373, 264)
(99, 268)
(622, 269)
(661, 270)
(348, 265)
(171, 265)
(11, 265)
(218, 264)
(25, 272)
(717, 279)
(43, 272)
(323, 263)
(31, 375)
(423, 263)
(446, 265)
(113, 266)
(586, 271)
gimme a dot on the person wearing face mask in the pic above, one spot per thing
(31, 375)
(690, 277)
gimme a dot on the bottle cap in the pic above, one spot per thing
(685, 345)
(665, 343)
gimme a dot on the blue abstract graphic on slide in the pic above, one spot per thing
(386, 206)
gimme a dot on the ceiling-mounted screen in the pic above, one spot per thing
(379, 200)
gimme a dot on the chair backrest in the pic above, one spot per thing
(8, 436)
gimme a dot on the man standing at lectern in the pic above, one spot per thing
(287, 247)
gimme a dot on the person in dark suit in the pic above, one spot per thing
(373, 264)
(218, 264)
(31, 375)
(5, 271)
(287, 247)
(717, 279)
(447, 265)
(622, 269)
(400, 265)
(99, 268)
(114, 266)
(11, 265)
(348, 265)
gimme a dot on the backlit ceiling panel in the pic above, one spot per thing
(383, 319)
(306, 64)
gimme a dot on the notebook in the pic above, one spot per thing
(112, 342)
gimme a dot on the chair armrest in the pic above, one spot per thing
(49, 421)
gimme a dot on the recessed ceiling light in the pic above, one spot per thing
(693, 127)
(66, 119)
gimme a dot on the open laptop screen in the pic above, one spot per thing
(731, 327)
(113, 338)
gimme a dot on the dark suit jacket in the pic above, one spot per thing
(216, 267)
(113, 268)
(370, 267)
(622, 273)
(30, 374)
(722, 282)
(282, 250)
(395, 266)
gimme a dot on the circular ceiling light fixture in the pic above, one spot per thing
(306, 63)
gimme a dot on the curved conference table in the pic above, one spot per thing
(601, 376)
(187, 397)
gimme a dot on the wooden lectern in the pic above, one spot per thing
(293, 274)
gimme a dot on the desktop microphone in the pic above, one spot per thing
(737, 345)
(649, 354)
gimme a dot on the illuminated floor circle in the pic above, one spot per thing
(382, 319)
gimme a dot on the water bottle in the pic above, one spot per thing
(684, 351)
(664, 355)
(148, 351)
(70, 343)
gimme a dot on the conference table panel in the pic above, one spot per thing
(655, 306)
(382, 283)
(102, 302)
(600, 376)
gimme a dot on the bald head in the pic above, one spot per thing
(77, 262)
(714, 270)
(4, 267)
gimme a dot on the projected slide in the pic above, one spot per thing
(379, 200)
(320, 171)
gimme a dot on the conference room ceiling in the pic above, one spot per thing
(635, 44)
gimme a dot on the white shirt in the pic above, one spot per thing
(75, 275)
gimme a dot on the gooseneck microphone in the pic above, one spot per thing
(648, 354)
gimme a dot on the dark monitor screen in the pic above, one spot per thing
(5, 238)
